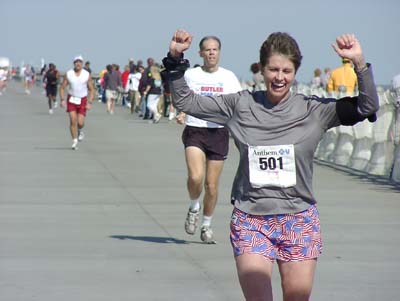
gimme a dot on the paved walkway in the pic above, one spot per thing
(105, 222)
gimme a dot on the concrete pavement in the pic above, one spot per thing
(105, 222)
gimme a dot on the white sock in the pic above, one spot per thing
(194, 205)
(207, 221)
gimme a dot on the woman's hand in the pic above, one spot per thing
(347, 46)
(180, 42)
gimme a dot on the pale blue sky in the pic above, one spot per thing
(114, 31)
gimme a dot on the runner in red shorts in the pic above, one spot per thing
(78, 100)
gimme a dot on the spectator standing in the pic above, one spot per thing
(125, 87)
(142, 87)
(325, 78)
(153, 92)
(258, 79)
(133, 84)
(316, 81)
(87, 67)
(112, 83)
(343, 80)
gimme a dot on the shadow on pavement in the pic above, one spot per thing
(362, 176)
(154, 239)
(52, 148)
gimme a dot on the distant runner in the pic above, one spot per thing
(78, 100)
(51, 78)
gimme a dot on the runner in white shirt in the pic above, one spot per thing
(78, 100)
(206, 143)
(3, 79)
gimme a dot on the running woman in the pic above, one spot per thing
(276, 132)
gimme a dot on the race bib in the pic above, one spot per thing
(272, 166)
(75, 100)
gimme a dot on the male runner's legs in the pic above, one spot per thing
(205, 152)
(77, 115)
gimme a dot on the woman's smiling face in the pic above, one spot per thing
(279, 74)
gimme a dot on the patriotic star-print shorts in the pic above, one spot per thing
(285, 237)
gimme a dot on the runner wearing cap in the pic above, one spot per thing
(78, 100)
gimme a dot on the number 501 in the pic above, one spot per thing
(270, 163)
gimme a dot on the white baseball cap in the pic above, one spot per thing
(78, 58)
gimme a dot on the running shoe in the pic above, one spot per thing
(81, 135)
(51, 111)
(207, 235)
(75, 145)
(157, 118)
(171, 116)
(192, 221)
(55, 105)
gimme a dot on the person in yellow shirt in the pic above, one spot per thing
(343, 79)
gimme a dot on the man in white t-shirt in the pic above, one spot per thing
(79, 99)
(133, 87)
(206, 143)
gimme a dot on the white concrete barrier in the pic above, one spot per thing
(370, 147)
(383, 149)
(396, 165)
(344, 146)
(362, 146)
(327, 145)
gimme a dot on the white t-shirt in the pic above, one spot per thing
(78, 84)
(222, 81)
(3, 74)
(133, 81)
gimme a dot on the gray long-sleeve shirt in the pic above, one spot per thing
(276, 142)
